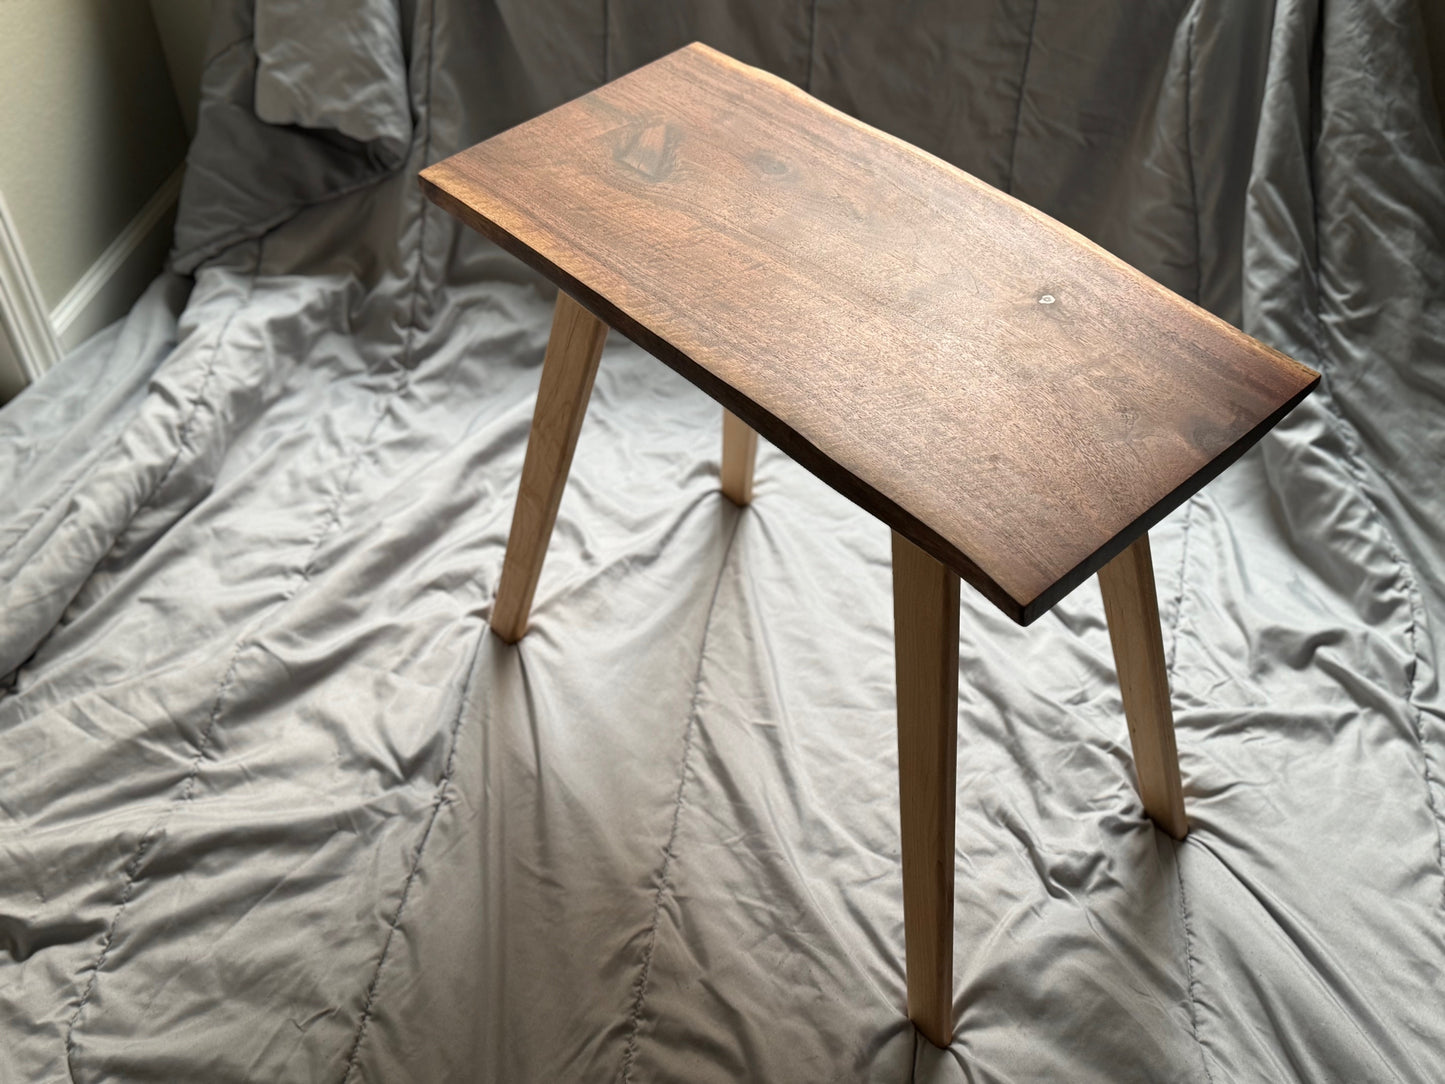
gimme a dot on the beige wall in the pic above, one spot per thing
(12, 377)
(1434, 14)
(184, 27)
(89, 128)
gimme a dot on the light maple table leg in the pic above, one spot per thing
(568, 370)
(739, 453)
(925, 633)
(1132, 610)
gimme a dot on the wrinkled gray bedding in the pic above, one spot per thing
(275, 806)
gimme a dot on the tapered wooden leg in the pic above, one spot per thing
(1132, 610)
(568, 371)
(925, 633)
(740, 452)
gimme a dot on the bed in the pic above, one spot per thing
(275, 805)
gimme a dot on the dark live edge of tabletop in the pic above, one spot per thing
(1016, 401)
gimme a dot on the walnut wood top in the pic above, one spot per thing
(1012, 398)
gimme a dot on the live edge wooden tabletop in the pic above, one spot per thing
(1015, 400)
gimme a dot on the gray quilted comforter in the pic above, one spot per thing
(275, 806)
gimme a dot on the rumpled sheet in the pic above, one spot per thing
(275, 806)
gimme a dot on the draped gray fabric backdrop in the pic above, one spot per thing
(274, 805)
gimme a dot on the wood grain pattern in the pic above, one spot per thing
(739, 456)
(1127, 583)
(925, 638)
(568, 371)
(1016, 401)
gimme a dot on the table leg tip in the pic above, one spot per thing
(742, 500)
(939, 1036)
(508, 632)
(1176, 826)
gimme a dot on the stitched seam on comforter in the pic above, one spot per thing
(1190, 960)
(1191, 983)
(1356, 472)
(812, 45)
(1013, 149)
(669, 853)
(132, 868)
(1354, 460)
(203, 743)
(72, 482)
(438, 801)
(369, 1005)
(331, 522)
(606, 38)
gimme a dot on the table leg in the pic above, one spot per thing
(568, 370)
(739, 453)
(925, 632)
(1127, 583)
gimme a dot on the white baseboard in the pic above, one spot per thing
(27, 325)
(35, 339)
(12, 378)
(110, 285)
